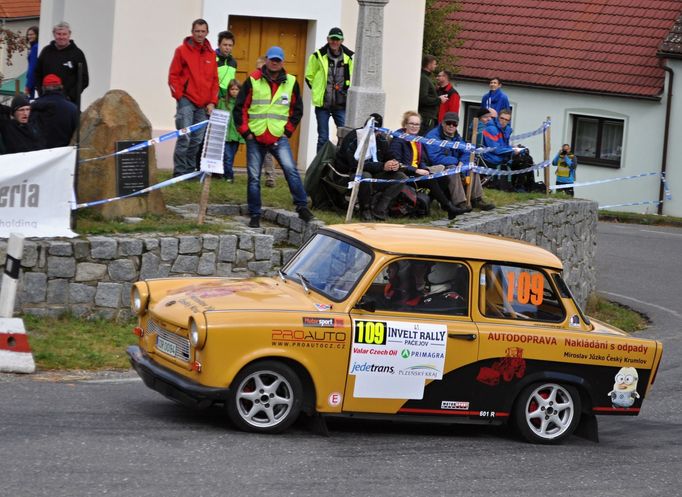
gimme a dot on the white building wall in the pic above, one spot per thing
(642, 137)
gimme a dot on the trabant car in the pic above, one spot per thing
(399, 322)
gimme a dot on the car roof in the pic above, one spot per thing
(444, 242)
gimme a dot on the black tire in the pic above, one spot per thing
(265, 397)
(547, 413)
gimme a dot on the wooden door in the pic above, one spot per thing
(253, 36)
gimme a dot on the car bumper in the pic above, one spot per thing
(172, 385)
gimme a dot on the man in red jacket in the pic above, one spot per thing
(444, 87)
(193, 81)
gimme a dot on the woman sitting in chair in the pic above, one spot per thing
(414, 162)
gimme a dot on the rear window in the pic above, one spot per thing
(520, 293)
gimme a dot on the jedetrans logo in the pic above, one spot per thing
(366, 367)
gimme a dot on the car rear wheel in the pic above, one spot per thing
(265, 397)
(547, 413)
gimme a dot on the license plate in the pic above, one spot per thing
(165, 346)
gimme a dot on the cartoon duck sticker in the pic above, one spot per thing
(624, 390)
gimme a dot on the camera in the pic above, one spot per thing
(564, 152)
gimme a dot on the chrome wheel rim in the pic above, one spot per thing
(549, 411)
(264, 399)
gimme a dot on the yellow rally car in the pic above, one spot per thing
(401, 322)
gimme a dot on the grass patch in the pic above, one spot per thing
(91, 223)
(616, 314)
(71, 343)
(645, 219)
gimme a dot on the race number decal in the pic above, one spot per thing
(370, 332)
(528, 287)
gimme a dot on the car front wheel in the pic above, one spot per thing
(265, 397)
(547, 413)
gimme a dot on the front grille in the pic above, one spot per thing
(181, 343)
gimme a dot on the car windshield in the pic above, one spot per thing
(329, 266)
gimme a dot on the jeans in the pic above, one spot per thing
(228, 159)
(255, 153)
(323, 115)
(187, 146)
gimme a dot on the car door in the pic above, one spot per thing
(407, 353)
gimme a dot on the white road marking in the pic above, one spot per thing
(662, 232)
(659, 307)
(114, 380)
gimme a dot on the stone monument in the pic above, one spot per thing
(114, 117)
(366, 94)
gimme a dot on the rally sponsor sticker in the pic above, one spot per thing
(393, 359)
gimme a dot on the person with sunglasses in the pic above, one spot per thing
(450, 158)
(414, 163)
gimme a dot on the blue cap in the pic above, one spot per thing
(275, 53)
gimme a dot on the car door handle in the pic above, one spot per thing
(463, 336)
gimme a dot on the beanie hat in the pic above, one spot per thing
(18, 102)
(483, 112)
(52, 80)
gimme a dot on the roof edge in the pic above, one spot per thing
(565, 88)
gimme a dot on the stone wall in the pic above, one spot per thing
(92, 276)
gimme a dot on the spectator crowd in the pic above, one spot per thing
(267, 107)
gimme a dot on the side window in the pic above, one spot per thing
(513, 292)
(413, 285)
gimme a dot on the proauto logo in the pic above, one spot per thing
(366, 367)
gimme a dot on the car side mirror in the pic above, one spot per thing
(366, 304)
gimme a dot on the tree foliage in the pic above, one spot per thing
(440, 33)
(12, 42)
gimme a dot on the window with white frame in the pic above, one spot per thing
(597, 141)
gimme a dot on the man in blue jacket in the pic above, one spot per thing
(55, 116)
(450, 158)
(495, 99)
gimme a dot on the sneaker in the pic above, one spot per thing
(254, 222)
(305, 214)
(482, 204)
(463, 205)
(229, 180)
(366, 215)
(270, 182)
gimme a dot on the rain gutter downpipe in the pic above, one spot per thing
(664, 161)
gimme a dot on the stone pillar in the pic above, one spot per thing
(366, 95)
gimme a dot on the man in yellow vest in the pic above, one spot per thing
(266, 114)
(328, 76)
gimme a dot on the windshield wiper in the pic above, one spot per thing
(305, 282)
(282, 275)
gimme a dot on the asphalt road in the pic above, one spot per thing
(107, 434)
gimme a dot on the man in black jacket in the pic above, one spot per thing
(62, 57)
(18, 134)
(55, 116)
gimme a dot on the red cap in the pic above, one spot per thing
(52, 80)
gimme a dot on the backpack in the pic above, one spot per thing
(410, 203)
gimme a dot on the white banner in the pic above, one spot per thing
(35, 193)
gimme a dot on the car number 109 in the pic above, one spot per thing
(165, 346)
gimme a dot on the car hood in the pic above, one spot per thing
(176, 299)
(601, 327)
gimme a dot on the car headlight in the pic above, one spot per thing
(197, 332)
(139, 298)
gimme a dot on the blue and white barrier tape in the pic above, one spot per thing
(602, 181)
(157, 186)
(453, 170)
(159, 139)
(461, 145)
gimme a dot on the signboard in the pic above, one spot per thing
(132, 169)
(36, 190)
(394, 359)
